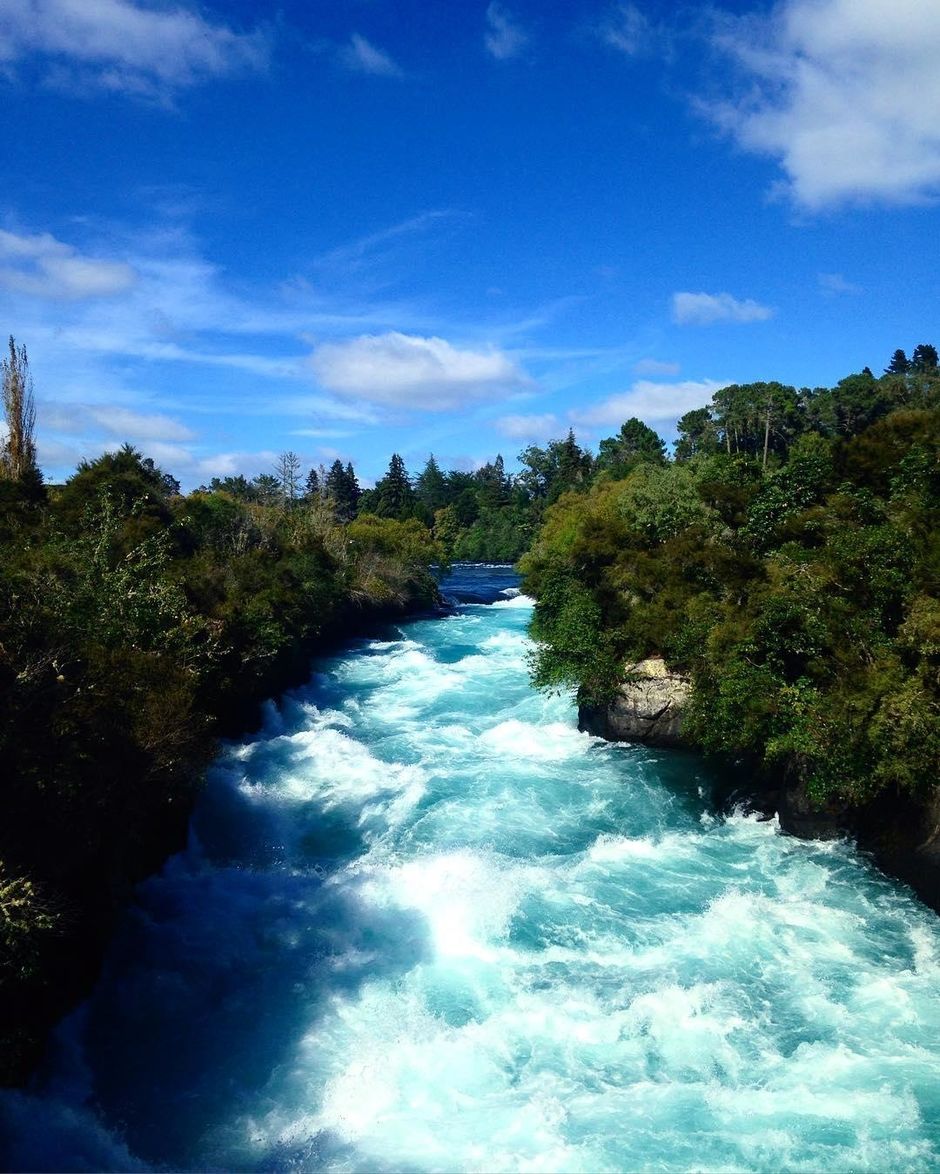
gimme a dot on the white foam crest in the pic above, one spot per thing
(613, 849)
(550, 741)
(517, 601)
(326, 767)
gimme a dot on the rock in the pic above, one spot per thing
(648, 707)
(802, 818)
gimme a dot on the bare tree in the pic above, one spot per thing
(287, 471)
(18, 454)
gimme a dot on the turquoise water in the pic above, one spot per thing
(424, 924)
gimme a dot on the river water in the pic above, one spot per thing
(424, 924)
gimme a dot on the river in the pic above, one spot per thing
(424, 924)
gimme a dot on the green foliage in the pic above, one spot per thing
(788, 561)
(634, 443)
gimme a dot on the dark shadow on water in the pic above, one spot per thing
(221, 969)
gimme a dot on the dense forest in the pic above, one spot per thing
(786, 560)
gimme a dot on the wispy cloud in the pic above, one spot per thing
(842, 93)
(655, 367)
(406, 371)
(124, 46)
(626, 28)
(833, 284)
(44, 267)
(535, 427)
(649, 400)
(505, 37)
(704, 309)
(366, 249)
(362, 56)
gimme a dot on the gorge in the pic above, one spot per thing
(422, 922)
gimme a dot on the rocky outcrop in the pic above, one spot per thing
(899, 830)
(648, 707)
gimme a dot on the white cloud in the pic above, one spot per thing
(628, 30)
(655, 367)
(648, 400)
(835, 283)
(124, 46)
(505, 38)
(137, 426)
(88, 420)
(362, 56)
(528, 427)
(45, 267)
(703, 309)
(406, 371)
(843, 94)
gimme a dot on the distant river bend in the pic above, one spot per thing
(424, 924)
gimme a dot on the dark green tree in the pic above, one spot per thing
(493, 486)
(431, 486)
(393, 496)
(697, 434)
(342, 489)
(899, 364)
(924, 359)
(635, 442)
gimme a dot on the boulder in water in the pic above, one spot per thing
(648, 707)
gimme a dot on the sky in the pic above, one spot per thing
(351, 227)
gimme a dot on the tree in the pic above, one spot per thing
(493, 485)
(237, 486)
(393, 496)
(342, 490)
(899, 364)
(266, 488)
(635, 442)
(431, 486)
(749, 415)
(697, 434)
(287, 471)
(312, 486)
(548, 472)
(18, 455)
(923, 359)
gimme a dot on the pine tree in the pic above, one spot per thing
(924, 359)
(393, 495)
(899, 364)
(312, 486)
(634, 442)
(431, 486)
(353, 491)
(342, 489)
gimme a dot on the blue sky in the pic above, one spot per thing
(228, 229)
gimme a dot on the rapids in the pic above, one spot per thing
(424, 924)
